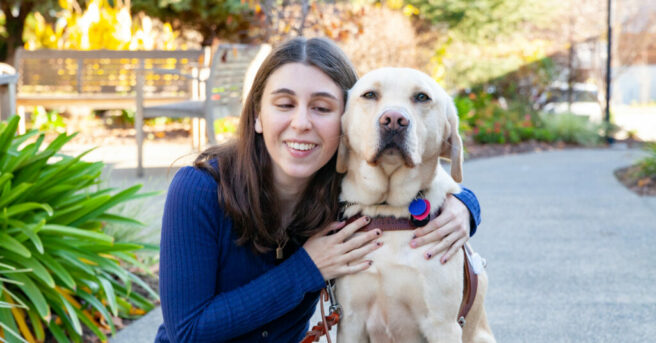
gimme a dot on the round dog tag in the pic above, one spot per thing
(417, 207)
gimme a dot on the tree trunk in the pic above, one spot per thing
(15, 26)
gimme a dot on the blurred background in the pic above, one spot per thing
(88, 77)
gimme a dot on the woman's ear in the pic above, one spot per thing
(258, 125)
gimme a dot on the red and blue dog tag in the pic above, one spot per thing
(419, 212)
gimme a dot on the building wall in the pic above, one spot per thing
(635, 85)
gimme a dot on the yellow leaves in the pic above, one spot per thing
(409, 10)
(394, 4)
(19, 317)
(100, 26)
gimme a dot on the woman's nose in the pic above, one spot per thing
(301, 120)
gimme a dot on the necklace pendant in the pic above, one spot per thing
(279, 253)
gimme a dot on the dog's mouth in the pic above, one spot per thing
(393, 145)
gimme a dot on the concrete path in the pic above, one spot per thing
(570, 251)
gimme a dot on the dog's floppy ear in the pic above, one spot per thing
(342, 156)
(452, 144)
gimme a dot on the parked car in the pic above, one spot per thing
(585, 101)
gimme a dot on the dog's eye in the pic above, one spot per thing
(422, 97)
(370, 95)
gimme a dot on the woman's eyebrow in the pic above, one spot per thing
(314, 95)
(283, 91)
(324, 95)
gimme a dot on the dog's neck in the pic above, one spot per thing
(387, 190)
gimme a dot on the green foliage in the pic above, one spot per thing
(647, 165)
(57, 266)
(570, 128)
(478, 20)
(49, 121)
(228, 19)
(488, 120)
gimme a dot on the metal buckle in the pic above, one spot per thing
(334, 305)
(462, 321)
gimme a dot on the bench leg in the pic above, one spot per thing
(138, 121)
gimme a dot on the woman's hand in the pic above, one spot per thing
(450, 230)
(341, 253)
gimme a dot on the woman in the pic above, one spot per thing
(245, 247)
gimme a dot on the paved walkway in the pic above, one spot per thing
(570, 250)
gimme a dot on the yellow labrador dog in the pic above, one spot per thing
(397, 125)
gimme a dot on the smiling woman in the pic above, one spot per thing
(245, 247)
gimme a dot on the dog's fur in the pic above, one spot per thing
(402, 297)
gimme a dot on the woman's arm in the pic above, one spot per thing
(192, 241)
(460, 216)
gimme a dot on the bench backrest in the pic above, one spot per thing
(232, 72)
(99, 72)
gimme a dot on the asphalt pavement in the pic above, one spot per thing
(570, 251)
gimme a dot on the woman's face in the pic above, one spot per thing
(300, 121)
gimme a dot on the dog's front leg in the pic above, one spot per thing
(354, 293)
(352, 328)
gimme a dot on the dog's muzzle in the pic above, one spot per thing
(393, 128)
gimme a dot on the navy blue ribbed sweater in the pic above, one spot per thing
(215, 291)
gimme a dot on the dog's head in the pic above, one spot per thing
(399, 116)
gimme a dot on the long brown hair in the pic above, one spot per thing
(244, 172)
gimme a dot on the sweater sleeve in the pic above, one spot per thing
(193, 310)
(469, 199)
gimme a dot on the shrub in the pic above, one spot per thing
(570, 128)
(489, 120)
(58, 269)
(647, 165)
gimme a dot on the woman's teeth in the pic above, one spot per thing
(300, 146)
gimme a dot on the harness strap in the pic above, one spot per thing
(470, 287)
(325, 324)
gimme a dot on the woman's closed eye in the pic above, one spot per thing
(322, 109)
(285, 105)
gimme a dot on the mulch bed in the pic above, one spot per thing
(628, 176)
(490, 150)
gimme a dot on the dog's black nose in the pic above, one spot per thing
(393, 121)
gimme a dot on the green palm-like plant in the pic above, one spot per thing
(58, 270)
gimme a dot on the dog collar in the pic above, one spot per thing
(392, 223)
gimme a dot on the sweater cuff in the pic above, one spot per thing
(468, 198)
(306, 270)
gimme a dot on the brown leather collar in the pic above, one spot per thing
(389, 223)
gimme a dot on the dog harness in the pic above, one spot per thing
(470, 279)
(416, 220)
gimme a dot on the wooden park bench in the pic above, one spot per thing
(164, 83)
(100, 79)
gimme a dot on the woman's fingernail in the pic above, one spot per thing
(428, 256)
(371, 262)
(377, 232)
(413, 244)
(414, 236)
(443, 261)
(380, 244)
(367, 219)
